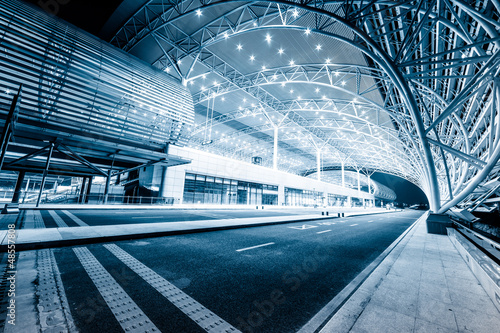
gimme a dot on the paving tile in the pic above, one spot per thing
(396, 300)
(422, 326)
(471, 286)
(474, 302)
(400, 283)
(477, 321)
(379, 319)
(436, 312)
(439, 293)
(434, 277)
(460, 272)
(405, 269)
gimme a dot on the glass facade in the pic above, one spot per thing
(337, 200)
(201, 189)
(296, 197)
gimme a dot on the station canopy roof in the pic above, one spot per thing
(402, 87)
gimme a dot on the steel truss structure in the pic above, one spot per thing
(71, 104)
(410, 87)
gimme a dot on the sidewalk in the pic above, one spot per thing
(423, 285)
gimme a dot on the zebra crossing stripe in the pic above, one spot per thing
(75, 219)
(125, 310)
(59, 221)
(205, 318)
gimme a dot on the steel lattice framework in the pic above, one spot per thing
(411, 87)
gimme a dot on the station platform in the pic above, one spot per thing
(420, 283)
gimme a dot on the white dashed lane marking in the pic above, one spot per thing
(352, 225)
(254, 247)
(205, 318)
(322, 232)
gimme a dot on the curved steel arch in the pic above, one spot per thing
(402, 63)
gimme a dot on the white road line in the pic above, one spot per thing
(370, 221)
(148, 217)
(254, 247)
(205, 318)
(125, 310)
(59, 221)
(322, 232)
(130, 212)
(352, 225)
(75, 219)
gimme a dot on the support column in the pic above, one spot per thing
(163, 182)
(369, 185)
(82, 190)
(106, 187)
(45, 171)
(318, 163)
(359, 183)
(275, 154)
(343, 174)
(89, 185)
(17, 189)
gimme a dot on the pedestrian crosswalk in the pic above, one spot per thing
(115, 292)
(39, 219)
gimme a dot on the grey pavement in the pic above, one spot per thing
(423, 285)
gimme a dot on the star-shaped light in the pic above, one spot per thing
(239, 47)
(281, 51)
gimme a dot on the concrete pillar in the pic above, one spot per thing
(318, 164)
(82, 190)
(163, 182)
(359, 183)
(89, 185)
(106, 187)
(275, 153)
(343, 174)
(281, 195)
(17, 189)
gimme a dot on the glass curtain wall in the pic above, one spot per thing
(201, 189)
(297, 197)
(337, 200)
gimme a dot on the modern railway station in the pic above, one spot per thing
(250, 166)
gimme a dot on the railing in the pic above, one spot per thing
(50, 197)
(100, 199)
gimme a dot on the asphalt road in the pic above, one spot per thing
(115, 217)
(262, 279)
